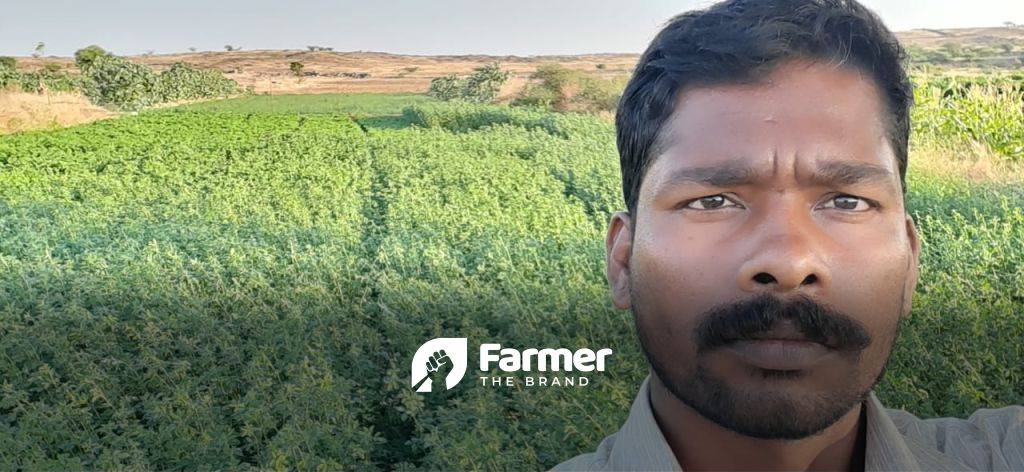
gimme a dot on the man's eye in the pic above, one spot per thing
(712, 202)
(848, 203)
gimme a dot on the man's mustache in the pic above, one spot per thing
(746, 319)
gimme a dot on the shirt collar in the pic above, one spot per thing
(640, 444)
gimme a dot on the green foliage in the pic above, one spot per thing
(482, 86)
(238, 285)
(598, 94)
(986, 110)
(8, 62)
(181, 82)
(550, 87)
(119, 83)
(8, 76)
(296, 68)
(85, 57)
(559, 88)
(445, 88)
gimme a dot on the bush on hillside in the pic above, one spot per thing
(182, 82)
(482, 86)
(86, 56)
(119, 83)
(47, 80)
(559, 88)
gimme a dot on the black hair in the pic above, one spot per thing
(738, 42)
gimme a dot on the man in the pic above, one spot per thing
(766, 253)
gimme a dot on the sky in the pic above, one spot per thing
(520, 27)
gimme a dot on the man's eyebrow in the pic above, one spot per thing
(725, 175)
(733, 174)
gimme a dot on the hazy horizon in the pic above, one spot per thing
(449, 27)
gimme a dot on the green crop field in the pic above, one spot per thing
(242, 284)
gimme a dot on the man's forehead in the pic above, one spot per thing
(828, 172)
(804, 118)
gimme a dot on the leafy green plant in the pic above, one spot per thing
(482, 86)
(987, 111)
(296, 68)
(445, 88)
(559, 88)
(181, 82)
(119, 83)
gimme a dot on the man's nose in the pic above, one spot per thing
(785, 256)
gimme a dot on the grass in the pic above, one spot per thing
(21, 111)
(242, 284)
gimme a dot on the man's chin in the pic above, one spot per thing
(783, 410)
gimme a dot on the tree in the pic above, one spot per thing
(192, 49)
(229, 48)
(40, 47)
(86, 56)
(296, 68)
(481, 86)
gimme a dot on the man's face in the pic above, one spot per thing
(772, 256)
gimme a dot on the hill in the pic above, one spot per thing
(362, 71)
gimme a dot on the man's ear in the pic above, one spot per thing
(912, 271)
(617, 245)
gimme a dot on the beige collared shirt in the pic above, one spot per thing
(990, 439)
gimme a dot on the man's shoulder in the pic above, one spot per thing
(597, 460)
(988, 438)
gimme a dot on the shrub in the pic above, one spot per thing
(444, 88)
(296, 68)
(598, 95)
(52, 81)
(182, 82)
(988, 111)
(482, 86)
(557, 87)
(550, 87)
(119, 83)
(8, 62)
(8, 77)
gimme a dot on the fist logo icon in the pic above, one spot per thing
(437, 360)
